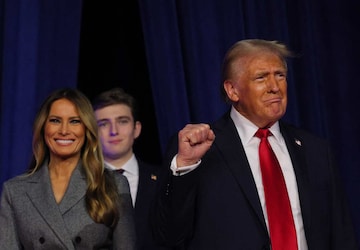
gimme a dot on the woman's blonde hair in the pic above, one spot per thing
(102, 198)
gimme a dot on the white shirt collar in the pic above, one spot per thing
(130, 167)
(247, 129)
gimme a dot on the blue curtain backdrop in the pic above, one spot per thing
(185, 41)
(40, 43)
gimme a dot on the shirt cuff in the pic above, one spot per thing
(183, 170)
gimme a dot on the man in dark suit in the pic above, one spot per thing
(118, 121)
(213, 196)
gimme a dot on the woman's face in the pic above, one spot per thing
(64, 131)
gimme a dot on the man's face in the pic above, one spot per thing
(117, 131)
(258, 89)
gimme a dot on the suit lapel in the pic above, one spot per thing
(295, 147)
(42, 197)
(75, 191)
(145, 181)
(146, 187)
(229, 144)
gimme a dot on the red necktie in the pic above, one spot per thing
(281, 222)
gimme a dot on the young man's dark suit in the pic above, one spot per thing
(216, 206)
(145, 194)
(148, 175)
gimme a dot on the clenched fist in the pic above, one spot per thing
(194, 141)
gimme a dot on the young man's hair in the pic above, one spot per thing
(116, 96)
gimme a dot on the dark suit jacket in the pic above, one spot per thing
(30, 218)
(148, 175)
(217, 205)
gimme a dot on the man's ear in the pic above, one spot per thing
(137, 131)
(231, 90)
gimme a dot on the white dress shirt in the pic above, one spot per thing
(246, 131)
(131, 172)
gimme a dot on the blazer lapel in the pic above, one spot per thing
(229, 144)
(145, 194)
(294, 144)
(75, 191)
(42, 197)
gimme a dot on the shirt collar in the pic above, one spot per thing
(131, 166)
(247, 129)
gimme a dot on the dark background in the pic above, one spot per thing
(112, 54)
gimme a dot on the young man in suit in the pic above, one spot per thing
(118, 122)
(215, 195)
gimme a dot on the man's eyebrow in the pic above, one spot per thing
(102, 120)
(123, 116)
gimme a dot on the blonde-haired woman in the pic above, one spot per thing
(67, 200)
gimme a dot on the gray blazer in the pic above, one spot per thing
(30, 218)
